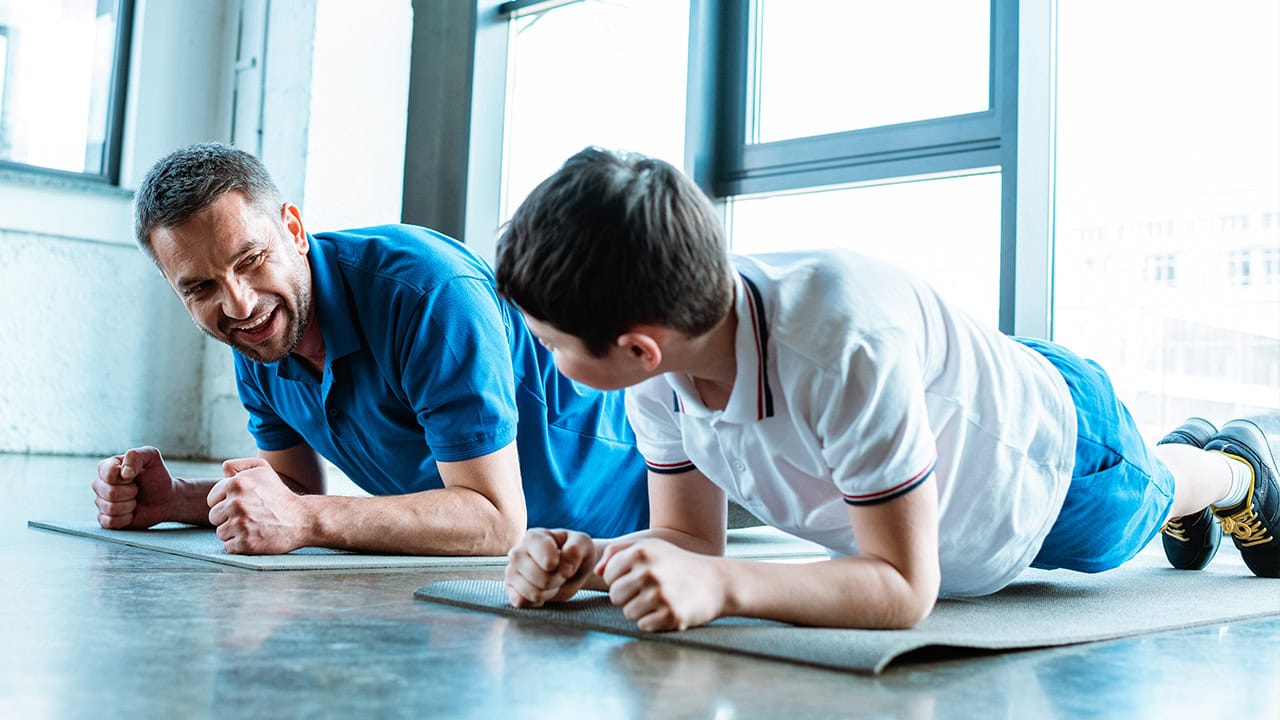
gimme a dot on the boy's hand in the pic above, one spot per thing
(662, 587)
(548, 566)
(255, 512)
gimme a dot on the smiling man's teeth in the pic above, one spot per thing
(256, 326)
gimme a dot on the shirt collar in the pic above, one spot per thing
(751, 398)
(329, 298)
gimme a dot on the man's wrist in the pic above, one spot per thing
(191, 501)
(313, 529)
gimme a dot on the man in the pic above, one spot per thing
(385, 350)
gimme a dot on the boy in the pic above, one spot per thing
(841, 400)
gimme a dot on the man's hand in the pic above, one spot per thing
(662, 587)
(548, 566)
(134, 491)
(255, 512)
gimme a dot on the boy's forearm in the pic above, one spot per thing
(855, 592)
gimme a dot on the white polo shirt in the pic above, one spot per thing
(855, 382)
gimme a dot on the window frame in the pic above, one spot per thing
(114, 131)
(1014, 135)
(921, 147)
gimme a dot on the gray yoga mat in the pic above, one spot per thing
(203, 544)
(1040, 609)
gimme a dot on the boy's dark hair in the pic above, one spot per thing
(613, 240)
(193, 178)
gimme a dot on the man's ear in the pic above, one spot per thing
(643, 345)
(291, 216)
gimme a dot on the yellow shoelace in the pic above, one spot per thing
(1246, 527)
(1174, 529)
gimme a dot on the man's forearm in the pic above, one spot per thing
(450, 521)
(190, 503)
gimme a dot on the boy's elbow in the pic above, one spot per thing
(914, 602)
(916, 609)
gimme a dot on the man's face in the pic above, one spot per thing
(614, 370)
(242, 273)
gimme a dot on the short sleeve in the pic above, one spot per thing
(651, 410)
(872, 421)
(456, 369)
(269, 431)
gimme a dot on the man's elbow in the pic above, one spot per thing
(503, 529)
(508, 532)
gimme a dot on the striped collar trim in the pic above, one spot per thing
(760, 335)
(752, 396)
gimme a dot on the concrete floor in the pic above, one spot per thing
(98, 631)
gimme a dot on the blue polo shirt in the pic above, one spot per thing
(425, 363)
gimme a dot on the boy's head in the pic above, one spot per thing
(613, 241)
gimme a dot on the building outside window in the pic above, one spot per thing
(1150, 136)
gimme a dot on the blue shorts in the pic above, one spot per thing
(1120, 493)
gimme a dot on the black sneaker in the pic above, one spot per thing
(1191, 541)
(1253, 522)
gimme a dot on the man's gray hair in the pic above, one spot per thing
(189, 180)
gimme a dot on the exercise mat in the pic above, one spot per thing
(202, 544)
(1039, 609)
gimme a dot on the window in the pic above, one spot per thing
(946, 230)
(828, 66)
(597, 72)
(781, 110)
(876, 127)
(1238, 267)
(1205, 340)
(1160, 270)
(1270, 263)
(61, 84)
(814, 108)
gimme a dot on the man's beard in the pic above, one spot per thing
(294, 331)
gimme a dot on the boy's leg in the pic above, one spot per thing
(1254, 521)
(1121, 494)
(1191, 539)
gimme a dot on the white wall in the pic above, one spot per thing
(92, 355)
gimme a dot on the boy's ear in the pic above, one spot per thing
(643, 345)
